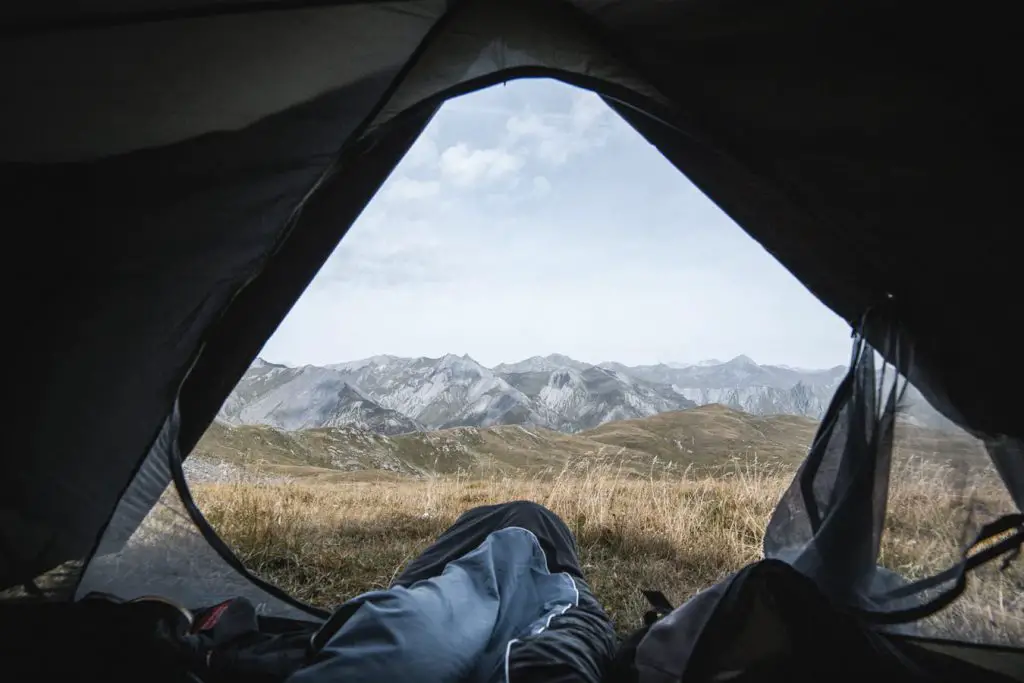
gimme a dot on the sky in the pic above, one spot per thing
(529, 219)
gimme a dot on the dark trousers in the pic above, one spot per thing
(474, 525)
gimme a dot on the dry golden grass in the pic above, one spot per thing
(680, 532)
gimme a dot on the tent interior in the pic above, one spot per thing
(180, 170)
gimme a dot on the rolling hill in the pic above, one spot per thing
(701, 438)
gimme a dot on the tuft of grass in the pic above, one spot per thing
(677, 531)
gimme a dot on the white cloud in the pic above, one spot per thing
(403, 189)
(570, 127)
(466, 167)
(589, 113)
(541, 186)
(555, 138)
(530, 125)
(422, 154)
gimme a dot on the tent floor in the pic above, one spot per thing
(55, 641)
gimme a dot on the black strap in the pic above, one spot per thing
(1009, 546)
(332, 626)
(660, 606)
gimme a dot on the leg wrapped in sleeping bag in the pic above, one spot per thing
(500, 596)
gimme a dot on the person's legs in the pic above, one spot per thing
(512, 606)
(474, 525)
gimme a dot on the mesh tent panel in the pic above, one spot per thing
(937, 505)
(151, 546)
(835, 522)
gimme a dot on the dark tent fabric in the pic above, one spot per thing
(830, 522)
(175, 172)
(828, 606)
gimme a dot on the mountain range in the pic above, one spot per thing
(391, 395)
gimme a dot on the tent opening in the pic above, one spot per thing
(537, 305)
(181, 171)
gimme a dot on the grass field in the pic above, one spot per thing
(326, 540)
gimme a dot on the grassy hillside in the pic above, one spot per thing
(710, 436)
(446, 451)
(252, 445)
(700, 438)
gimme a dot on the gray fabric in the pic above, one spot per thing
(482, 39)
(152, 547)
(829, 523)
(457, 627)
(1007, 455)
(160, 242)
(191, 77)
(664, 653)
